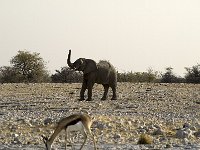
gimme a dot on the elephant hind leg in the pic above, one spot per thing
(114, 97)
(106, 87)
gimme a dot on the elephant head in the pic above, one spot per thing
(82, 64)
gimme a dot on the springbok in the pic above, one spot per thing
(75, 122)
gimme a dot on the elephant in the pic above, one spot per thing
(101, 73)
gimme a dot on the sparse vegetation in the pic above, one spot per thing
(170, 77)
(66, 75)
(30, 67)
(193, 74)
(149, 76)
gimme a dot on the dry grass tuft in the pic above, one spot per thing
(145, 139)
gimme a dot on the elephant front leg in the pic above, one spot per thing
(90, 86)
(83, 88)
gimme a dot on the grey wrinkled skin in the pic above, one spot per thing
(102, 73)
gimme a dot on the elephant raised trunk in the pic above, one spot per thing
(69, 60)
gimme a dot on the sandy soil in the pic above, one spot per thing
(169, 113)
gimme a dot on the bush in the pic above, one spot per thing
(149, 76)
(8, 75)
(193, 74)
(169, 77)
(66, 75)
(145, 139)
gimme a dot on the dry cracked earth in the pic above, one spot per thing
(168, 113)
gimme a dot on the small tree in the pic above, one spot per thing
(30, 67)
(169, 77)
(193, 74)
(151, 75)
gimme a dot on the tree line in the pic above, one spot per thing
(28, 67)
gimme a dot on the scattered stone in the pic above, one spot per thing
(168, 146)
(193, 128)
(34, 122)
(142, 129)
(13, 128)
(158, 131)
(185, 141)
(186, 125)
(157, 126)
(117, 136)
(99, 125)
(15, 135)
(72, 92)
(184, 133)
(181, 134)
(197, 134)
(159, 109)
(47, 121)
(148, 89)
(22, 121)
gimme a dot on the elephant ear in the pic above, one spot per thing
(90, 66)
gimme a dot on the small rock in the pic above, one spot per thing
(132, 139)
(33, 122)
(13, 128)
(15, 135)
(16, 139)
(117, 136)
(36, 130)
(47, 121)
(142, 131)
(122, 121)
(99, 125)
(168, 146)
(22, 121)
(159, 131)
(72, 92)
(190, 133)
(157, 126)
(109, 125)
(193, 128)
(181, 134)
(163, 139)
(197, 134)
(185, 141)
(186, 125)
(184, 133)
(148, 89)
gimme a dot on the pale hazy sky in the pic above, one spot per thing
(131, 34)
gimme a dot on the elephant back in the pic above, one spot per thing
(105, 72)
